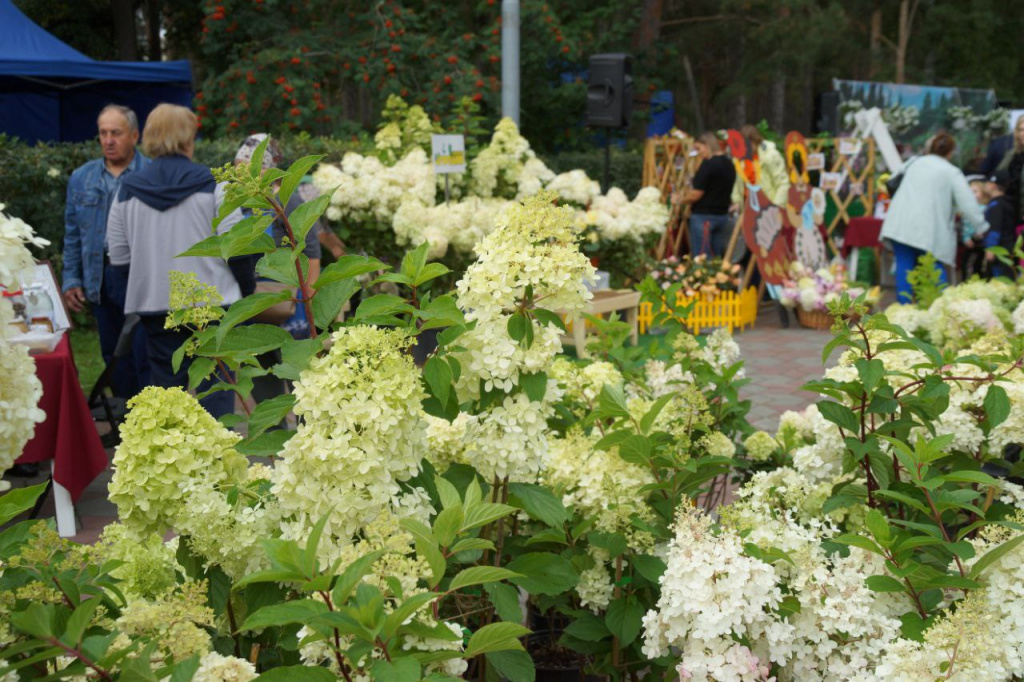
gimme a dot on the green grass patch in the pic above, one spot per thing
(85, 344)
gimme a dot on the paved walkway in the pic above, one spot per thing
(778, 362)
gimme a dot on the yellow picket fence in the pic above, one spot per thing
(728, 309)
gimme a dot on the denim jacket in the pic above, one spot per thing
(85, 226)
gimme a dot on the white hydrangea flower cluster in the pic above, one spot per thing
(583, 384)
(510, 439)
(447, 439)
(225, 534)
(907, 315)
(20, 391)
(15, 236)
(508, 165)
(721, 351)
(618, 218)
(149, 565)
(1017, 317)
(459, 224)
(760, 446)
(661, 378)
(217, 668)
(575, 187)
(455, 667)
(362, 432)
(710, 592)
(596, 588)
(366, 189)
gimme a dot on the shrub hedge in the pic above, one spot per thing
(33, 179)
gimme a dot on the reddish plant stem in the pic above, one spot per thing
(307, 291)
(231, 380)
(104, 675)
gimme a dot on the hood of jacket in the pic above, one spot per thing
(166, 181)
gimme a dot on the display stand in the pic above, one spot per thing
(669, 165)
(854, 182)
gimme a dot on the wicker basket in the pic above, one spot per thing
(814, 319)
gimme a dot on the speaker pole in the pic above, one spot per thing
(510, 59)
(607, 158)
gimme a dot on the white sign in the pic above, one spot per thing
(831, 182)
(848, 147)
(816, 162)
(448, 153)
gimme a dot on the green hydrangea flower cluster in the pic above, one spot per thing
(167, 441)
(362, 432)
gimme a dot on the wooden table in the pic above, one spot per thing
(606, 301)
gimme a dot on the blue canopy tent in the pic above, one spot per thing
(50, 92)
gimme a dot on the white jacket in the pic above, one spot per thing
(921, 213)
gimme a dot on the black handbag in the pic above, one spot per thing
(893, 183)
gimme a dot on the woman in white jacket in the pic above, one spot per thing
(920, 218)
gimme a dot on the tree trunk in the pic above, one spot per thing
(876, 42)
(123, 12)
(908, 8)
(777, 110)
(153, 24)
(649, 29)
(808, 96)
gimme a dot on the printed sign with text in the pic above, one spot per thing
(448, 153)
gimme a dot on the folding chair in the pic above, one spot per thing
(105, 406)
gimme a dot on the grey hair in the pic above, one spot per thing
(129, 115)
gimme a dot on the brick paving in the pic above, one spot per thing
(778, 362)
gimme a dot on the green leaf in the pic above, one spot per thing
(278, 615)
(495, 637)
(279, 265)
(404, 611)
(589, 628)
(471, 545)
(329, 301)
(871, 373)
(636, 449)
(305, 216)
(438, 375)
(270, 413)
(240, 311)
(353, 575)
(650, 567)
(965, 476)
(624, 619)
(247, 237)
(398, 670)
(515, 666)
(994, 555)
(612, 402)
(516, 327)
(997, 406)
(348, 267)
(256, 160)
(544, 573)
(293, 176)
(478, 575)
(79, 622)
(19, 500)
(291, 673)
(484, 513)
(534, 385)
(382, 306)
(879, 527)
(428, 272)
(613, 543)
(858, 541)
(447, 524)
(539, 502)
(884, 583)
(647, 423)
(185, 670)
(548, 318)
(441, 312)
(914, 626)
(506, 601)
(36, 620)
(840, 415)
(266, 444)
(447, 492)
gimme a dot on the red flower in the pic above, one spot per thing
(280, 80)
(391, 68)
(296, 111)
(289, 88)
(366, 78)
(479, 84)
(347, 66)
(396, 48)
(404, 92)
(233, 124)
(296, 60)
(477, 97)
(447, 80)
(565, 49)
(495, 58)
(388, 23)
(391, 34)
(362, 60)
(453, 60)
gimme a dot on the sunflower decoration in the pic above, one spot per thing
(796, 158)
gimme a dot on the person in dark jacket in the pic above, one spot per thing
(1002, 223)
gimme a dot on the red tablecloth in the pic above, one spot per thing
(68, 436)
(861, 232)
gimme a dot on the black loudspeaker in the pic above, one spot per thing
(826, 113)
(610, 90)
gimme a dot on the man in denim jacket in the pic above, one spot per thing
(88, 275)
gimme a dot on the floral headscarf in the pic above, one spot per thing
(271, 157)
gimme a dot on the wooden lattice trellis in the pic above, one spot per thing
(669, 165)
(846, 164)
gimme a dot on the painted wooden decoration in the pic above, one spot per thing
(805, 210)
(763, 224)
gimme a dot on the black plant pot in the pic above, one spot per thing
(426, 343)
(555, 663)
